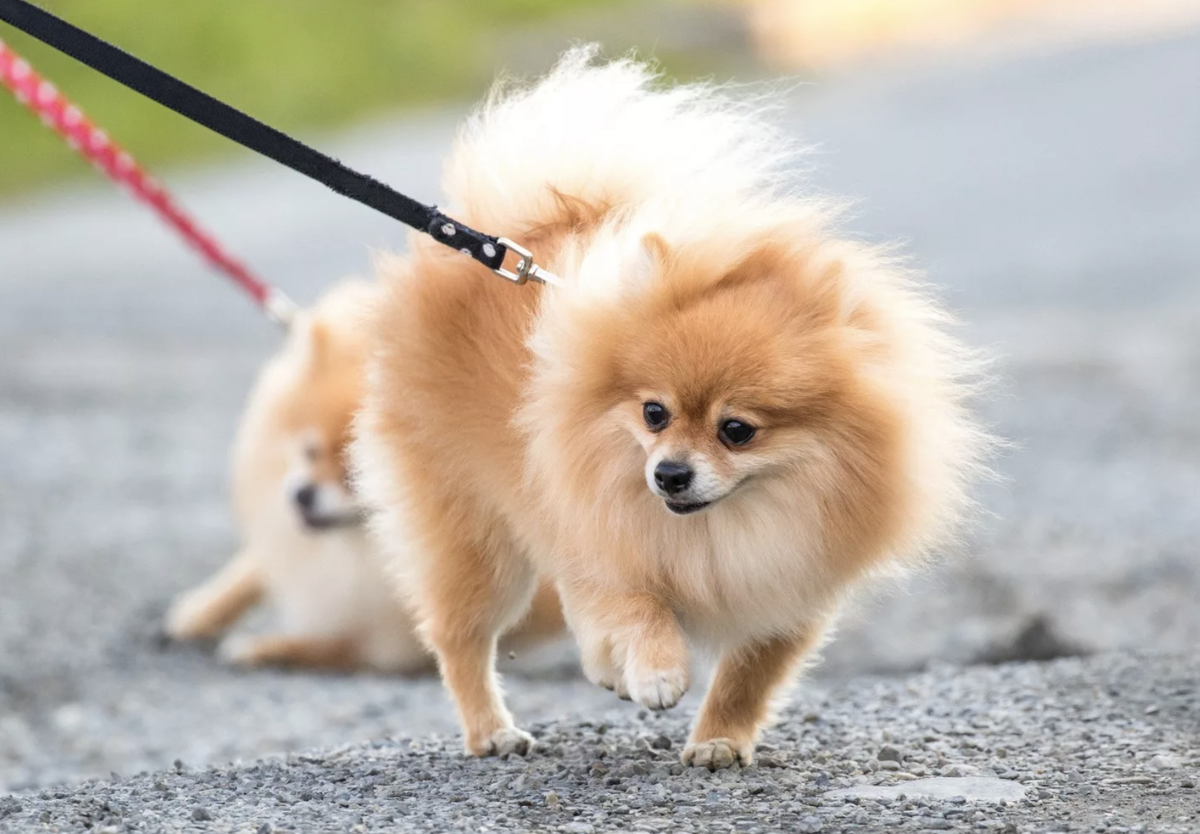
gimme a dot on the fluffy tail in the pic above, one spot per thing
(607, 136)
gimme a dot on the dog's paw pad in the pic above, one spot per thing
(657, 688)
(717, 754)
(507, 741)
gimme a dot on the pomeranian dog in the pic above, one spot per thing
(305, 551)
(723, 418)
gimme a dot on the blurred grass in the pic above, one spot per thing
(292, 63)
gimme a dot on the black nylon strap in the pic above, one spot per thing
(249, 132)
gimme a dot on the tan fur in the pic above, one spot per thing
(334, 605)
(503, 427)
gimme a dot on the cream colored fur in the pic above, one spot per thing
(504, 427)
(329, 605)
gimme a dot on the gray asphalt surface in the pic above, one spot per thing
(1056, 197)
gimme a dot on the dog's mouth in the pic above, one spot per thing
(317, 523)
(684, 508)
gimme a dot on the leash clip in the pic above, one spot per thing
(279, 308)
(527, 270)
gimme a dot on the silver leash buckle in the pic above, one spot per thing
(526, 269)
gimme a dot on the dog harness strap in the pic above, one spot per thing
(253, 134)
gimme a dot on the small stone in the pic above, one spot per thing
(201, 815)
(578, 828)
(1166, 761)
(888, 753)
(889, 765)
(661, 743)
(810, 824)
(265, 828)
(552, 800)
(1152, 709)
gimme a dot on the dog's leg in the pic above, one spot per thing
(211, 608)
(465, 608)
(543, 622)
(309, 652)
(630, 643)
(739, 700)
(603, 664)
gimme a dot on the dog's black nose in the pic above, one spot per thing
(672, 477)
(306, 496)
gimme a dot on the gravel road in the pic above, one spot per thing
(1110, 743)
(1055, 196)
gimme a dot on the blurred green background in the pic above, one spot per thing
(305, 64)
(309, 65)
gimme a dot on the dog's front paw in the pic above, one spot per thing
(600, 667)
(718, 753)
(239, 650)
(507, 741)
(657, 689)
(189, 619)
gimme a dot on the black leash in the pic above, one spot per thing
(233, 124)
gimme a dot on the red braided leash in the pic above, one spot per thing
(69, 122)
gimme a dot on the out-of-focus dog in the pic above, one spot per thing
(305, 552)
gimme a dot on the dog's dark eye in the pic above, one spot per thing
(655, 415)
(736, 433)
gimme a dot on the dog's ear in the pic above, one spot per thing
(620, 265)
(308, 340)
(645, 261)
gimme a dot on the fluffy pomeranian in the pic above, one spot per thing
(723, 419)
(305, 551)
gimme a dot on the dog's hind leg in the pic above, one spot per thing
(470, 595)
(297, 651)
(209, 609)
(739, 699)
